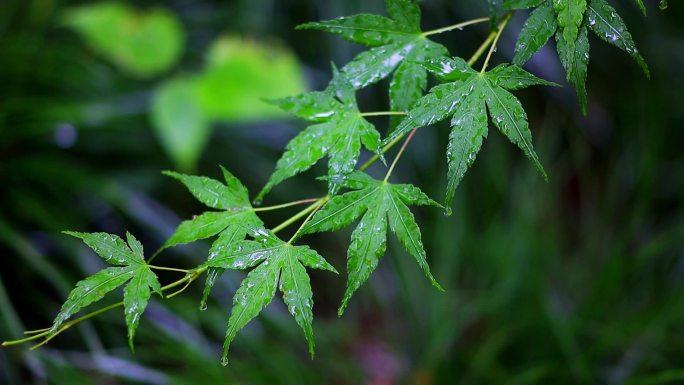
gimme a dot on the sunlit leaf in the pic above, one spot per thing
(180, 124)
(142, 43)
(240, 74)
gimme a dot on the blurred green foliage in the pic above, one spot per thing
(578, 280)
(238, 75)
(143, 44)
(179, 121)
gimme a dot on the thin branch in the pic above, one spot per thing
(401, 151)
(455, 26)
(502, 26)
(27, 339)
(308, 218)
(483, 47)
(285, 205)
(182, 289)
(296, 217)
(49, 334)
(168, 269)
(383, 113)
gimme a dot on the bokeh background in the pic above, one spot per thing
(576, 281)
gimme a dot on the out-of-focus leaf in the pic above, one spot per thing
(241, 73)
(178, 121)
(642, 6)
(142, 43)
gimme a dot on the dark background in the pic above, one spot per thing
(576, 281)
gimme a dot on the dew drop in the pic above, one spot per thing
(662, 5)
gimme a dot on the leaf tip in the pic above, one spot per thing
(647, 71)
(381, 156)
(272, 101)
(172, 174)
(305, 26)
(259, 198)
(343, 306)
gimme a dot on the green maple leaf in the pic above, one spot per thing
(377, 203)
(235, 220)
(569, 21)
(276, 264)
(522, 4)
(464, 97)
(398, 45)
(339, 133)
(569, 15)
(129, 266)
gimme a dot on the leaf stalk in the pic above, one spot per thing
(49, 335)
(383, 113)
(498, 32)
(401, 151)
(285, 205)
(455, 26)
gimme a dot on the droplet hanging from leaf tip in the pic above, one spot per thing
(224, 361)
(663, 5)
